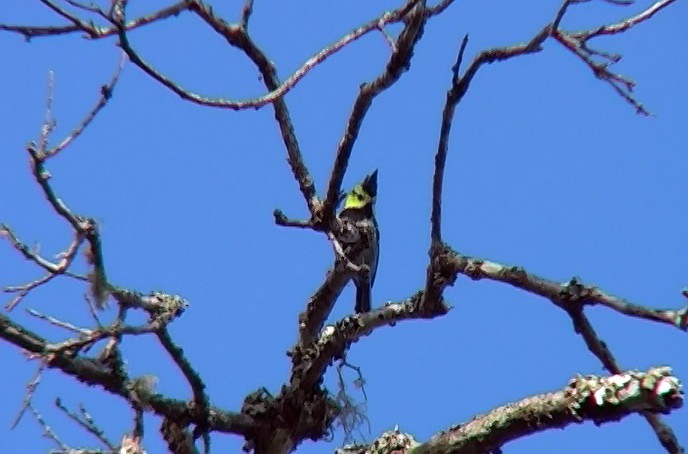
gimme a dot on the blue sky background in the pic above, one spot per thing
(548, 169)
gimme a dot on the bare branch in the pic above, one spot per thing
(577, 42)
(303, 408)
(441, 156)
(105, 96)
(399, 62)
(86, 422)
(42, 177)
(310, 361)
(436, 279)
(92, 8)
(282, 220)
(571, 297)
(177, 437)
(54, 269)
(60, 323)
(619, 83)
(66, 256)
(92, 373)
(586, 398)
(599, 348)
(23, 290)
(195, 381)
(279, 90)
(48, 432)
(49, 124)
(30, 31)
(246, 12)
(439, 8)
(84, 228)
(459, 87)
(93, 31)
(239, 38)
(624, 25)
(559, 292)
(30, 390)
(320, 305)
(67, 15)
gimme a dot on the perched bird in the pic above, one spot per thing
(360, 239)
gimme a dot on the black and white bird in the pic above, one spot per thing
(360, 240)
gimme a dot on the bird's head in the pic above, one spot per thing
(363, 194)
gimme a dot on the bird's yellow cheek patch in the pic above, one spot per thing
(357, 198)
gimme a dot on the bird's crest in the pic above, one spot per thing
(363, 194)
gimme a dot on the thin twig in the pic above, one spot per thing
(439, 8)
(86, 422)
(48, 432)
(282, 220)
(60, 323)
(23, 290)
(105, 96)
(54, 269)
(30, 390)
(67, 15)
(360, 381)
(72, 345)
(92, 8)
(67, 256)
(623, 25)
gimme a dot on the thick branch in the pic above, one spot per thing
(591, 398)
(320, 305)
(311, 361)
(571, 297)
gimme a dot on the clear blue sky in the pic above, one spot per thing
(548, 169)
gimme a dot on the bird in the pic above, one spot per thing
(360, 239)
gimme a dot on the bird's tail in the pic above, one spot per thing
(362, 297)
